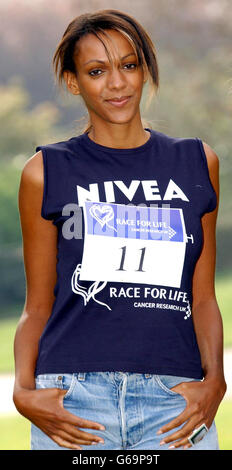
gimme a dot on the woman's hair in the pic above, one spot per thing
(98, 22)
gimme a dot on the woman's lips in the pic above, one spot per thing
(119, 103)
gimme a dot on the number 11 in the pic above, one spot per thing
(123, 248)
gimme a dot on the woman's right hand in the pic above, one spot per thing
(44, 408)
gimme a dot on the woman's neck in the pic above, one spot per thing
(119, 136)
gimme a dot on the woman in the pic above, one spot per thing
(121, 332)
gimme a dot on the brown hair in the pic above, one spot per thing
(99, 21)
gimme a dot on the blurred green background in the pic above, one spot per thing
(193, 43)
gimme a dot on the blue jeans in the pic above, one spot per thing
(131, 406)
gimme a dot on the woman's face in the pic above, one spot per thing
(99, 81)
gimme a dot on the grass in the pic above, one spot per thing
(15, 430)
(223, 422)
(224, 298)
(7, 333)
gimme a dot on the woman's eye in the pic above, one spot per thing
(97, 72)
(131, 66)
(93, 74)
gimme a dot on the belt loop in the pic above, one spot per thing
(81, 375)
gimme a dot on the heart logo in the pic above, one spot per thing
(103, 214)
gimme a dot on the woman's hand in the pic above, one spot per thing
(44, 408)
(203, 399)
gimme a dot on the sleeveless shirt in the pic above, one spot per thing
(129, 235)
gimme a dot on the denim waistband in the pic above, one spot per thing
(82, 375)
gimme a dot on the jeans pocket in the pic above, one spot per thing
(63, 381)
(167, 382)
(47, 381)
(68, 384)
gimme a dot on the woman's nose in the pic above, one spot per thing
(116, 79)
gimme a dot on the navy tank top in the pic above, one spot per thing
(129, 236)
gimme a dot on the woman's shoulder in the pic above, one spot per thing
(211, 156)
(32, 171)
(172, 140)
(59, 146)
(213, 165)
(31, 187)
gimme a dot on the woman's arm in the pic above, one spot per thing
(39, 250)
(43, 407)
(203, 398)
(206, 314)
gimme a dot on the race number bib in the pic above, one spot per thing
(135, 244)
